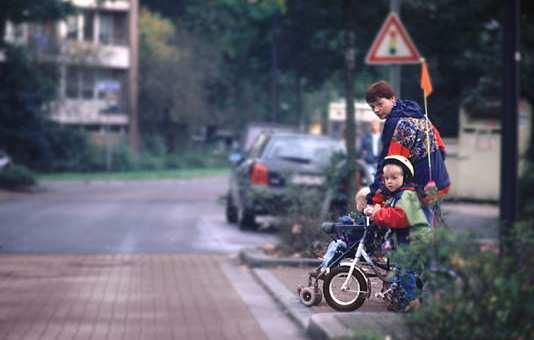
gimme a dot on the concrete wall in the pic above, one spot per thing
(474, 158)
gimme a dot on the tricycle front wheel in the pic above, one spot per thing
(349, 299)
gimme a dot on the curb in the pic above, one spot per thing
(283, 296)
(327, 326)
(254, 258)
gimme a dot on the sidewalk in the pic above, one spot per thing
(280, 277)
(133, 296)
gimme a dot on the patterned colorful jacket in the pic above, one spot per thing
(405, 133)
(401, 212)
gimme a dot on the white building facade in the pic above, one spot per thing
(97, 63)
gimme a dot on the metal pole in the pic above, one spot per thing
(509, 119)
(350, 121)
(395, 69)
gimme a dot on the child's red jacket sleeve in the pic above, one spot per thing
(406, 213)
(391, 217)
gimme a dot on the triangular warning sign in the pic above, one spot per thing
(393, 44)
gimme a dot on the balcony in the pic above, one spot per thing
(79, 52)
(86, 112)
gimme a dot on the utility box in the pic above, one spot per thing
(474, 161)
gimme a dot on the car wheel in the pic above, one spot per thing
(247, 219)
(231, 210)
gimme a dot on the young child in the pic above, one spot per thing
(402, 209)
(402, 212)
(338, 246)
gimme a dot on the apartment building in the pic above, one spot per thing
(96, 50)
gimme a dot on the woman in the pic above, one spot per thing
(408, 133)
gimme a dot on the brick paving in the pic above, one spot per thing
(123, 296)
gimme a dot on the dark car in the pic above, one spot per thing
(274, 161)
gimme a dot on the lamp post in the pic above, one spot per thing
(509, 118)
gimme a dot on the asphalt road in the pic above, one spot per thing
(168, 216)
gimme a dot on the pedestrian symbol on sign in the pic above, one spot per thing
(392, 42)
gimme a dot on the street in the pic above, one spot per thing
(129, 260)
(180, 216)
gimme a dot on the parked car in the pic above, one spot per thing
(275, 160)
(254, 129)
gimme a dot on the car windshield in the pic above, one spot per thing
(303, 149)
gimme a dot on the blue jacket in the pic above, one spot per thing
(405, 133)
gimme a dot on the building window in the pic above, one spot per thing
(72, 27)
(80, 82)
(72, 82)
(88, 26)
(87, 81)
(103, 84)
(113, 28)
(110, 88)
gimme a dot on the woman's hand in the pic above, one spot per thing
(369, 210)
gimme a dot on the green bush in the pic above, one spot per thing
(16, 177)
(487, 295)
(154, 145)
(72, 151)
(147, 161)
(173, 161)
(300, 221)
(123, 158)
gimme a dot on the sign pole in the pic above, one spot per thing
(395, 69)
(509, 118)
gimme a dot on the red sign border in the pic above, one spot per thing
(371, 57)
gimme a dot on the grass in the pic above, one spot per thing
(133, 175)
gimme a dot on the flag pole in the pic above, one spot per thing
(423, 67)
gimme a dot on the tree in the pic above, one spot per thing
(174, 70)
(26, 89)
(310, 53)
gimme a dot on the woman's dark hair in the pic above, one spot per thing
(380, 89)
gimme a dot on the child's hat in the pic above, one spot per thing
(401, 161)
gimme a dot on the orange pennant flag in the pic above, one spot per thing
(426, 84)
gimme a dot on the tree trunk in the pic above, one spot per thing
(2, 30)
(302, 121)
